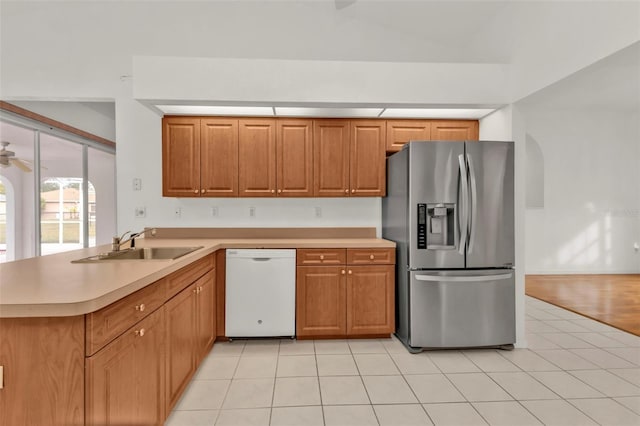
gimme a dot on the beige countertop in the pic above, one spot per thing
(50, 286)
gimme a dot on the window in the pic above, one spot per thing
(56, 213)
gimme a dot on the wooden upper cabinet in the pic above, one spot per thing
(219, 157)
(330, 158)
(257, 157)
(294, 157)
(454, 130)
(180, 157)
(367, 158)
(399, 132)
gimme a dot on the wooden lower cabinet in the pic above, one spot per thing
(43, 369)
(125, 379)
(370, 300)
(320, 301)
(190, 334)
(346, 300)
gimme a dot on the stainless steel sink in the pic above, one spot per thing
(142, 253)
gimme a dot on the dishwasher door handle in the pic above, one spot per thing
(261, 259)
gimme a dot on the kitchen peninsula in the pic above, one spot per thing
(114, 341)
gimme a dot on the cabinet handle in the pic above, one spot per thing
(353, 190)
(195, 191)
(371, 256)
(195, 290)
(322, 257)
(350, 272)
(140, 307)
(140, 332)
(203, 191)
(199, 290)
(343, 272)
(346, 191)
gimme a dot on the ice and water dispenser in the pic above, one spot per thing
(436, 226)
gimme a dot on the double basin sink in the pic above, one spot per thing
(142, 253)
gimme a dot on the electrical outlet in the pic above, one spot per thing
(141, 212)
(252, 212)
(214, 211)
(137, 184)
(177, 212)
(318, 211)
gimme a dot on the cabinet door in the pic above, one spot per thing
(180, 157)
(43, 360)
(320, 301)
(399, 132)
(367, 159)
(257, 158)
(219, 157)
(294, 152)
(330, 158)
(370, 300)
(205, 314)
(454, 130)
(181, 339)
(125, 380)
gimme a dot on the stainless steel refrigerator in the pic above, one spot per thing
(449, 208)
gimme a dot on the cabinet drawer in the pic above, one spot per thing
(331, 256)
(371, 256)
(111, 321)
(187, 275)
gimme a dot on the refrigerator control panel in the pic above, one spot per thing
(422, 226)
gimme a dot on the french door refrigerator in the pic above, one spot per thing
(449, 208)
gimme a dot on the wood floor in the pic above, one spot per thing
(611, 299)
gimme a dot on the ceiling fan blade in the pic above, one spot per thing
(20, 164)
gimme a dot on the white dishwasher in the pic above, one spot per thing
(260, 293)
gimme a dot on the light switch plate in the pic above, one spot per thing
(137, 184)
(141, 211)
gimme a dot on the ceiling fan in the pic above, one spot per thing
(8, 159)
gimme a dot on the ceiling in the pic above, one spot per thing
(612, 84)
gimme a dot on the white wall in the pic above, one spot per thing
(590, 218)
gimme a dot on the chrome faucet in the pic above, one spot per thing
(116, 242)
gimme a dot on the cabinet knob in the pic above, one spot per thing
(195, 191)
(199, 290)
(350, 272)
(322, 257)
(140, 332)
(371, 256)
(203, 191)
(353, 191)
(140, 307)
(279, 191)
(195, 290)
(343, 272)
(273, 191)
(346, 191)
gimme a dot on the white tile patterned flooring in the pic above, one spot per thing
(576, 371)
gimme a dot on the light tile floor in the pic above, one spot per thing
(575, 372)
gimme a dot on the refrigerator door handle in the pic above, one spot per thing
(465, 201)
(466, 278)
(473, 202)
